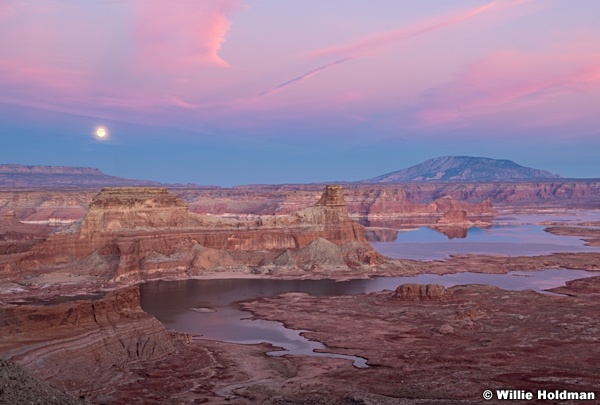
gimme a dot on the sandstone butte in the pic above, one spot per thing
(132, 234)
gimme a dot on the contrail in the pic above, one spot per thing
(362, 47)
(380, 39)
(304, 76)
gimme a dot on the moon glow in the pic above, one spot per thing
(100, 132)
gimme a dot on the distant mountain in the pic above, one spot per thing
(464, 169)
(62, 176)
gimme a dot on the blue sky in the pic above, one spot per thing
(238, 92)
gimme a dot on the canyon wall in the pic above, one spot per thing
(394, 201)
(16, 236)
(35, 177)
(73, 343)
(576, 192)
(362, 200)
(134, 234)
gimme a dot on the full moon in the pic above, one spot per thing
(101, 132)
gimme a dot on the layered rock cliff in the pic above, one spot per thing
(130, 234)
(130, 208)
(363, 201)
(16, 237)
(392, 203)
(72, 343)
(12, 175)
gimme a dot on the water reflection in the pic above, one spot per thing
(172, 303)
(452, 232)
(391, 235)
(426, 243)
(381, 234)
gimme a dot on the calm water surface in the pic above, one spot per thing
(516, 236)
(172, 302)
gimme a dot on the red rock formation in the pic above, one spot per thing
(384, 201)
(127, 208)
(139, 233)
(362, 201)
(331, 216)
(333, 197)
(323, 255)
(72, 343)
(16, 237)
(412, 292)
(449, 204)
(40, 206)
(455, 224)
(55, 176)
(454, 217)
(391, 203)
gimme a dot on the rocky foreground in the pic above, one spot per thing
(68, 315)
(19, 387)
(433, 344)
(424, 345)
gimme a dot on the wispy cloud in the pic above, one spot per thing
(511, 81)
(23, 75)
(376, 41)
(305, 76)
(372, 43)
(62, 67)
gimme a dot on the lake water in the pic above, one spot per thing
(510, 235)
(209, 307)
(173, 303)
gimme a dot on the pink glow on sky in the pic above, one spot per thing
(177, 54)
(273, 71)
(178, 36)
(374, 42)
(6, 11)
(509, 80)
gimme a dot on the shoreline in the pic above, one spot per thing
(459, 263)
(235, 373)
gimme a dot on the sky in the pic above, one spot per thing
(229, 92)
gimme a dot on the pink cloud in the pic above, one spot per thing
(6, 11)
(64, 88)
(378, 40)
(364, 46)
(182, 35)
(66, 67)
(511, 81)
(49, 78)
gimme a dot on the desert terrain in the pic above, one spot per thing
(299, 203)
(71, 261)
